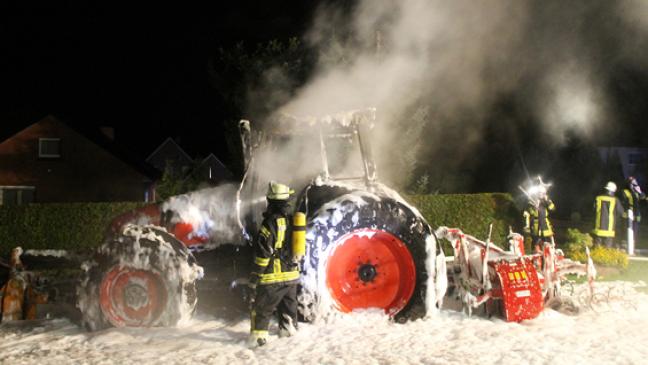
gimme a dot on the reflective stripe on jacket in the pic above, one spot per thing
(537, 219)
(272, 252)
(631, 201)
(607, 207)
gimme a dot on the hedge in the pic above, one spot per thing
(61, 226)
(81, 226)
(472, 213)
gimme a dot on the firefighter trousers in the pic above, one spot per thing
(283, 298)
(605, 241)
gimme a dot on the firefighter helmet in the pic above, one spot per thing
(611, 187)
(277, 191)
(633, 184)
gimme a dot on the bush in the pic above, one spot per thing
(609, 257)
(60, 226)
(601, 255)
(472, 213)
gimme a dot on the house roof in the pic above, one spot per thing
(167, 142)
(211, 158)
(95, 136)
(214, 164)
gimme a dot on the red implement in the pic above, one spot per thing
(521, 292)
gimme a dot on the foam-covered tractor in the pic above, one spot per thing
(365, 246)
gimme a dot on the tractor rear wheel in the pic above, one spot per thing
(363, 251)
(370, 268)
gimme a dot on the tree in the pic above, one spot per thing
(422, 184)
(252, 82)
(171, 183)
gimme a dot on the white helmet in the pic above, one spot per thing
(611, 187)
(277, 191)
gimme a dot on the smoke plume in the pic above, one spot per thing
(447, 65)
(211, 212)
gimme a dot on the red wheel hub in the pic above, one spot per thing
(131, 297)
(371, 269)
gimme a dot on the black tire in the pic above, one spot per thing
(334, 212)
(144, 256)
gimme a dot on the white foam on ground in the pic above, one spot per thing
(614, 334)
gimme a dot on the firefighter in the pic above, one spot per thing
(536, 218)
(608, 210)
(275, 274)
(632, 194)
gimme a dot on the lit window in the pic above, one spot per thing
(49, 147)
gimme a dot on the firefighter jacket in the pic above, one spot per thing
(272, 251)
(536, 219)
(631, 202)
(608, 209)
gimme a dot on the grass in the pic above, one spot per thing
(637, 270)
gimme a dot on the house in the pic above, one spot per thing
(633, 161)
(169, 154)
(212, 171)
(51, 162)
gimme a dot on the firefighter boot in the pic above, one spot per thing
(257, 339)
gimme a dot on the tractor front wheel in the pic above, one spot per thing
(143, 277)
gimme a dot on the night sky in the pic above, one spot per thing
(142, 70)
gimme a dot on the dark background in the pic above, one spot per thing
(142, 70)
(145, 70)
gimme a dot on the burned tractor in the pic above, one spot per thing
(365, 246)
